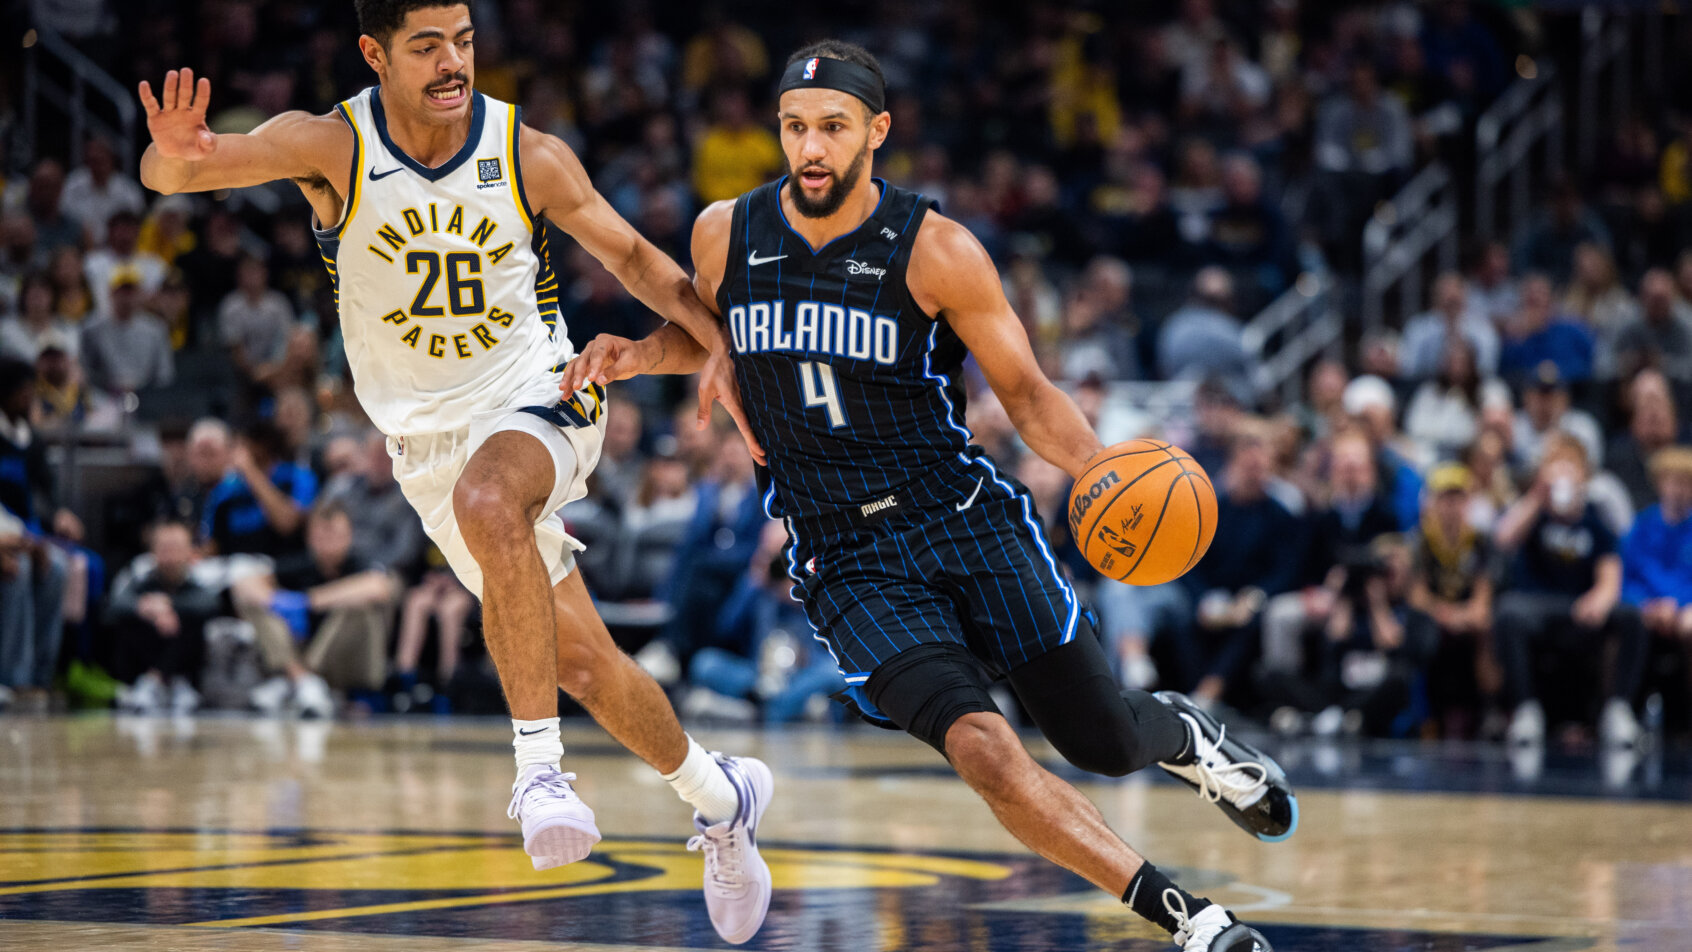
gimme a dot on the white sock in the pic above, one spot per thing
(701, 782)
(537, 743)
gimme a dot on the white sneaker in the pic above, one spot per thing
(312, 697)
(1617, 726)
(1527, 725)
(183, 698)
(1242, 780)
(270, 695)
(146, 696)
(5, 697)
(1214, 929)
(558, 827)
(737, 881)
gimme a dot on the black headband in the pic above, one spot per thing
(821, 72)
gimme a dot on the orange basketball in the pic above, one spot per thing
(1143, 513)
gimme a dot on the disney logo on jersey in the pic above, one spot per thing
(858, 267)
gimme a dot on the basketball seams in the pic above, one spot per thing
(1104, 504)
(1162, 511)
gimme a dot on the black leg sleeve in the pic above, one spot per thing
(1093, 723)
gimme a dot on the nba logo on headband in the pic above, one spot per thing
(811, 69)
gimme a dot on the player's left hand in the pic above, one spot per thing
(605, 358)
(717, 384)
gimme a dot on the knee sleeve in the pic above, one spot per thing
(1093, 723)
(926, 689)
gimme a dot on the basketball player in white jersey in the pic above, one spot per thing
(426, 197)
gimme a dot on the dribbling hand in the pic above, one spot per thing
(178, 124)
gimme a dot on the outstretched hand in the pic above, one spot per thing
(178, 124)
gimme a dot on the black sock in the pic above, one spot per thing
(1145, 896)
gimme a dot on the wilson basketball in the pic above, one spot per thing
(1144, 513)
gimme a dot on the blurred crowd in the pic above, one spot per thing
(1477, 526)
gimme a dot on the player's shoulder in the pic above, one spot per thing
(944, 246)
(716, 219)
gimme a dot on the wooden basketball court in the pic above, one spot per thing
(233, 834)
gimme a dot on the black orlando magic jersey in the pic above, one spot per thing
(853, 391)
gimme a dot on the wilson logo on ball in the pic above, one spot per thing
(1083, 502)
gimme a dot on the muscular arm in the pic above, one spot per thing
(952, 277)
(186, 156)
(558, 188)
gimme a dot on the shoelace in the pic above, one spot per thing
(1214, 781)
(724, 873)
(1176, 905)
(552, 781)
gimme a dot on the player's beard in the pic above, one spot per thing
(841, 187)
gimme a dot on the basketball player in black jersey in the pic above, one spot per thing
(851, 305)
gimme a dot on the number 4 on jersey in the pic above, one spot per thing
(817, 380)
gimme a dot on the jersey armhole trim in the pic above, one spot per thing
(349, 208)
(903, 260)
(514, 130)
(736, 246)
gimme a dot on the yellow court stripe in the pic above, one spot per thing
(453, 902)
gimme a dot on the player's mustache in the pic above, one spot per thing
(454, 78)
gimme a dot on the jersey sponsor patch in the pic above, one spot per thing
(488, 170)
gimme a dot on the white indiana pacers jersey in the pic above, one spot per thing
(448, 301)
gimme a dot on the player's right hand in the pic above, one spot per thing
(178, 124)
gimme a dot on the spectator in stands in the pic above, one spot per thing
(72, 297)
(261, 504)
(18, 254)
(1324, 398)
(1597, 299)
(209, 451)
(1546, 409)
(322, 618)
(1364, 131)
(1488, 461)
(1036, 302)
(54, 230)
(1336, 551)
(1248, 233)
(441, 597)
(759, 653)
(98, 190)
(165, 232)
(735, 154)
(1660, 336)
(1444, 415)
(1370, 400)
(23, 335)
(211, 268)
(621, 459)
(1548, 239)
(1652, 426)
(1222, 89)
(1462, 51)
(1564, 604)
(159, 612)
(62, 395)
(1097, 339)
(1492, 289)
(728, 516)
(1423, 348)
(386, 530)
(1537, 333)
(1231, 585)
(127, 349)
(33, 572)
(1455, 572)
(1202, 339)
(256, 322)
(1045, 218)
(1657, 553)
